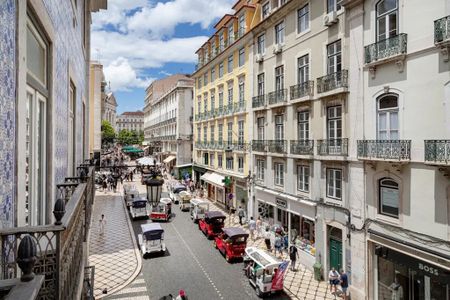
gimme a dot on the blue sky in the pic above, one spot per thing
(138, 41)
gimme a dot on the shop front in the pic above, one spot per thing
(214, 187)
(198, 172)
(241, 194)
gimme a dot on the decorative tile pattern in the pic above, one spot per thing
(7, 110)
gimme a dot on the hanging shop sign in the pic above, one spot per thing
(281, 203)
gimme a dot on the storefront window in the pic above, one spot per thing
(265, 211)
(303, 234)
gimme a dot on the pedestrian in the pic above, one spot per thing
(259, 227)
(344, 283)
(293, 254)
(267, 238)
(333, 277)
(241, 215)
(104, 184)
(278, 243)
(102, 223)
(181, 296)
(131, 175)
(252, 228)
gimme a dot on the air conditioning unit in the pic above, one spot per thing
(259, 58)
(228, 149)
(330, 18)
(277, 48)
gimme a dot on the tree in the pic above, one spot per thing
(108, 133)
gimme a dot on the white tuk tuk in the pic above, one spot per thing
(139, 208)
(198, 209)
(185, 200)
(130, 194)
(152, 239)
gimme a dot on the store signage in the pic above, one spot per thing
(281, 203)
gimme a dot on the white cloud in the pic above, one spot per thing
(122, 77)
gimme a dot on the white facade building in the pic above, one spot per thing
(109, 107)
(131, 121)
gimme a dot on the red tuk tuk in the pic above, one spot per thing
(231, 242)
(212, 223)
(162, 211)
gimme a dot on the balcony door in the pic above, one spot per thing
(279, 128)
(388, 125)
(334, 129)
(387, 19)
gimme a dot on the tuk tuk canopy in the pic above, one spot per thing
(152, 231)
(178, 188)
(139, 203)
(262, 257)
(235, 232)
(214, 214)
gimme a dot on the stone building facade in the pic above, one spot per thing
(131, 121)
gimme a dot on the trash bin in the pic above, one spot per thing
(317, 271)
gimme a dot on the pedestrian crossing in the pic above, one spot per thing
(136, 290)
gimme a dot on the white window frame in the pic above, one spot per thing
(279, 127)
(261, 128)
(230, 94)
(303, 125)
(303, 178)
(389, 113)
(241, 59)
(385, 16)
(241, 162)
(279, 30)
(334, 57)
(261, 44)
(230, 66)
(279, 173)
(261, 84)
(221, 69)
(334, 5)
(219, 160)
(260, 169)
(241, 132)
(279, 78)
(388, 188)
(334, 183)
(229, 163)
(303, 13)
(263, 6)
(303, 69)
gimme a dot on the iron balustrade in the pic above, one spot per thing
(332, 81)
(386, 48)
(333, 147)
(442, 30)
(277, 146)
(277, 96)
(384, 149)
(302, 89)
(258, 101)
(239, 146)
(302, 147)
(239, 106)
(228, 109)
(437, 151)
(259, 145)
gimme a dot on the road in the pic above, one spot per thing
(194, 265)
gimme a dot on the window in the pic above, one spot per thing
(230, 34)
(279, 127)
(205, 102)
(303, 178)
(334, 183)
(241, 92)
(219, 160)
(71, 130)
(261, 128)
(205, 158)
(213, 101)
(303, 125)
(265, 10)
(221, 70)
(388, 197)
(303, 19)
(279, 78)
(229, 163)
(260, 46)
(260, 167)
(333, 5)
(279, 174)
(388, 128)
(211, 159)
(241, 132)
(220, 132)
(212, 127)
(241, 25)
(334, 60)
(205, 78)
(221, 41)
(220, 98)
(199, 83)
(213, 74)
(241, 57)
(240, 164)
(303, 69)
(261, 84)
(205, 134)
(334, 129)
(230, 63)
(279, 33)
(387, 19)
(230, 94)
(230, 132)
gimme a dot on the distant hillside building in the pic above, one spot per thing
(130, 120)
(109, 109)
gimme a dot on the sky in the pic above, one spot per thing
(138, 41)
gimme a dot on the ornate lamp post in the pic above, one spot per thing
(154, 182)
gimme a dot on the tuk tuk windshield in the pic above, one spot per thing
(139, 204)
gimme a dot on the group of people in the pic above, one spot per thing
(338, 278)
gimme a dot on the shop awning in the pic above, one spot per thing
(169, 159)
(213, 178)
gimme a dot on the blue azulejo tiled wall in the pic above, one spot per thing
(7, 110)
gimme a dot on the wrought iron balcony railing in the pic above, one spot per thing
(385, 49)
(218, 112)
(302, 147)
(302, 89)
(258, 101)
(398, 150)
(239, 107)
(278, 96)
(277, 146)
(332, 81)
(239, 146)
(332, 147)
(437, 151)
(259, 145)
(442, 30)
(228, 109)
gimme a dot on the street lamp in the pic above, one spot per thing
(154, 183)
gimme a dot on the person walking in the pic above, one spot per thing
(267, 238)
(252, 228)
(102, 223)
(278, 244)
(259, 232)
(333, 277)
(241, 215)
(293, 254)
(344, 284)
(181, 296)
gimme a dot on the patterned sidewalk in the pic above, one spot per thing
(114, 254)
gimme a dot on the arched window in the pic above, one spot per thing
(387, 19)
(389, 199)
(387, 117)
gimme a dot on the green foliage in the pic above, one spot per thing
(108, 133)
(127, 137)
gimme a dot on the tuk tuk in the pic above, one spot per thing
(175, 191)
(264, 271)
(231, 242)
(212, 223)
(139, 208)
(162, 211)
(151, 239)
(185, 199)
(130, 195)
(198, 209)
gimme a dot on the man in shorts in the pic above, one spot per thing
(344, 283)
(333, 277)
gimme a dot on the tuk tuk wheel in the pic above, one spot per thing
(258, 292)
(215, 244)
(227, 257)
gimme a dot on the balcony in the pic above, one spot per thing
(228, 109)
(259, 145)
(386, 150)
(304, 147)
(301, 90)
(332, 147)
(238, 146)
(259, 101)
(442, 36)
(199, 145)
(334, 81)
(277, 146)
(391, 49)
(437, 152)
(277, 97)
(218, 112)
(239, 107)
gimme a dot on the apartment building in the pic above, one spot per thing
(131, 121)
(222, 94)
(168, 121)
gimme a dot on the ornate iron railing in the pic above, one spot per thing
(389, 47)
(60, 255)
(437, 151)
(332, 147)
(442, 30)
(239, 107)
(302, 89)
(302, 147)
(385, 149)
(228, 109)
(259, 145)
(258, 101)
(332, 81)
(278, 96)
(277, 146)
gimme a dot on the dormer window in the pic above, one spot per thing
(230, 34)
(241, 25)
(265, 10)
